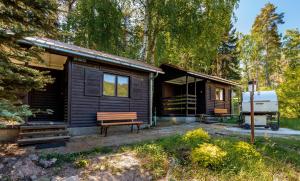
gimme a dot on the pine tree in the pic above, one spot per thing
(265, 33)
(19, 19)
(227, 64)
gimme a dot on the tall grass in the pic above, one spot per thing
(292, 123)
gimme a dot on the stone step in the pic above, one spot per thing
(29, 141)
(40, 127)
(43, 133)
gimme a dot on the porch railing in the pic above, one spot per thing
(181, 104)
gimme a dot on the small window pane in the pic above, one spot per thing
(109, 85)
(219, 94)
(123, 86)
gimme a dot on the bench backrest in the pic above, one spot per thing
(220, 111)
(116, 116)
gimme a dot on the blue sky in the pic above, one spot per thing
(249, 9)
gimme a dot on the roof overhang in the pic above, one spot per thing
(89, 54)
(200, 76)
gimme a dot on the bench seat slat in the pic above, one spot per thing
(121, 123)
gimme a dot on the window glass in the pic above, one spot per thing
(219, 94)
(123, 86)
(109, 85)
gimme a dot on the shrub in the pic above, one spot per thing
(82, 163)
(246, 151)
(208, 155)
(196, 137)
(154, 159)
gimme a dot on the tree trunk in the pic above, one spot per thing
(144, 49)
(152, 46)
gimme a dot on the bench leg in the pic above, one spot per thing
(138, 128)
(132, 128)
(101, 130)
(106, 128)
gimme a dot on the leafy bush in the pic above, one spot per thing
(195, 137)
(154, 158)
(81, 163)
(208, 155)
(244, 151)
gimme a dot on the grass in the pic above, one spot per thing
(292, 123)
(78, 158)
(198, 156)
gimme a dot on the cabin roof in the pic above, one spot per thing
(200, 75)
(89, 53)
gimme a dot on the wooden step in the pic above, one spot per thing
(42, 127)
(27, 141)
(41, 133)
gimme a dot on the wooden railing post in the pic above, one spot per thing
(195, 84)
(187, 93)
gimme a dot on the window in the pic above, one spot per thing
(114, 85)
(122, 86)
(220, 94)
(109, 85)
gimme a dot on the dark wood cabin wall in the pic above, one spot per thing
(84, 107)
(51, 98)
(211, 103)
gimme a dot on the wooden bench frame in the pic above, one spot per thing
(107, 119)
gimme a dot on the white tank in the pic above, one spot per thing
(264, 101)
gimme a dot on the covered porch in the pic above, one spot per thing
(181, 93)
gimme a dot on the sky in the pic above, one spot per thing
(249, 9)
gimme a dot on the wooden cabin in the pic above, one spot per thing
(181, 93)
(87, 82)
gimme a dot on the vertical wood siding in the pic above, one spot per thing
(87, 98)
(210, 97)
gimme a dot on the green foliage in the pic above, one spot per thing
(19, 19)
(289, 90)
(81, 163)
(227, 64)
(196, 137)
(10, 112)
(265, 34)
(208, 155)
(96, 25)
(289, 93)
(177, 32)
(154, 158)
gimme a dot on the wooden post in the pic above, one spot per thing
(187, 92)
(252, 112)
(195, 84)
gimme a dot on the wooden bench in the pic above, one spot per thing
(219, 111)
(107, 119)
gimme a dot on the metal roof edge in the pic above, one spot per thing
(30, 40)
(218, 79)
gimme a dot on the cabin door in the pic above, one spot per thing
(201, 101)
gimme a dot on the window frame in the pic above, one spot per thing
(223, 92)
(116, 85)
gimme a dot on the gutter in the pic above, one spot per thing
(151, 88)
(32, 41)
